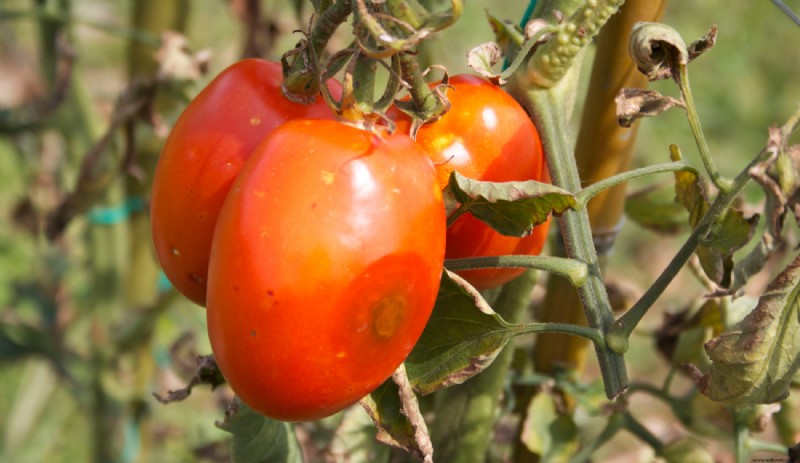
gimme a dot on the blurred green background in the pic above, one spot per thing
(86, 336)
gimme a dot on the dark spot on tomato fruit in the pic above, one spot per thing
(253, 333)
(388, 314)
(195, 278)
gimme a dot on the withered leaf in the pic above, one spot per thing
(636, 103)
(394, 409)
(755, 360)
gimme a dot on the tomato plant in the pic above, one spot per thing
(205, 151)
(486, 135)
(324, 268)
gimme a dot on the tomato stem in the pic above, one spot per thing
(548, 112)
(594, 189)
(301, 75)
(621, 329)
(722, 183)
(573, 270)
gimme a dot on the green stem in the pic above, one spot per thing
(741, 436)
(622, 328)
(757, 445)
(722, 183)
(637, 429)
(427, 105)
(44, 14)
(591, 334)
(575, 271)
(592, 190)
(613, 426)
(466, 414)
(546, 106)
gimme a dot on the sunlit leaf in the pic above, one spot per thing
(511, 208)
(258, 439)
(754, 361)
(462, 338)
(546, 432)
(355, 438)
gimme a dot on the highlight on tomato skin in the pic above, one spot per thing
(486, 135)
(202, 156)
(325, 267)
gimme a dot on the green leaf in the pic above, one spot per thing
(754, 361)
(394, 409)
(258, 439)
(511, 208)
(546, 432)
(462, 338)
(355, 438)
(651, 210)
(728, 234)
(686, 449)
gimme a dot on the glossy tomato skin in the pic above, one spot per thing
(325, 266)
(204, 152)
(486, 135)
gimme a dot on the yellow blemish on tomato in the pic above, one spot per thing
(388, 314)
(260, 194)
(341, 355)
(443, 141)
(327, 176)
(255, 120)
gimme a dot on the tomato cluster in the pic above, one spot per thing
(317, 247)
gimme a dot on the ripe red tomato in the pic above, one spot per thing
(486, 135)
(325, 266)
(204, 152)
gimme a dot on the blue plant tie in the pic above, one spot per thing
(118, 214)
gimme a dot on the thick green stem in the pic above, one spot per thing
(550, 119)
(573, 270)
(466, 414)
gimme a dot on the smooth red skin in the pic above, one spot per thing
(204, 152)
(326, 228)
(486, 135)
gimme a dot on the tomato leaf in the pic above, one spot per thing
(258, 439)
(755, 360)
(649, 209)
(511, 208)
(207, 373)
(394, 409)
(546, 432)
(482, 59)
(636, 103)
(355, 438)
(462, 338)
(729, 233)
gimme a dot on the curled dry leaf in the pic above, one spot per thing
(483, 58)
(658, 49)
(635, 103)
(394, 409)
(207, 373)
(755, 361)
(177, 62)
